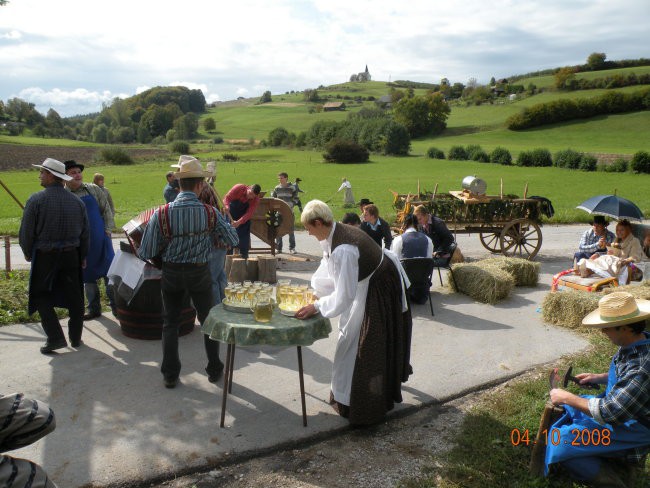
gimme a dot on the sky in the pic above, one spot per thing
(75, 55)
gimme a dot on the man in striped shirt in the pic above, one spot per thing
(183, 233)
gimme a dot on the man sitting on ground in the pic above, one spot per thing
(617, 422)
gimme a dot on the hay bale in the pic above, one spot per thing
(484, 284)
(525, 273)
(637, 290)
(569, 307)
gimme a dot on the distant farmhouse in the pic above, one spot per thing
(363, 76)
(330, 106)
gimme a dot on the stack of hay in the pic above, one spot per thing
(569, 307)
(491, 280)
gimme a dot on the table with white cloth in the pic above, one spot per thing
(241, 329)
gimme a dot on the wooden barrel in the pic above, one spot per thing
(142, 318)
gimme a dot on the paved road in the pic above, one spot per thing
(116, 422)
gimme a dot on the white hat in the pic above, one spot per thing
(57, 168)
(183, 158)
(191, 169)
(618, 308)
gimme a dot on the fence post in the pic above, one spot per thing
(7, 256)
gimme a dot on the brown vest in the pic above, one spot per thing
(369, 252)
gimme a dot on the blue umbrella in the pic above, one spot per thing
(612, 206)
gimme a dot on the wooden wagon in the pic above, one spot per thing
(505, 224)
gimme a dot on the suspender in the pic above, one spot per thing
(165, 222)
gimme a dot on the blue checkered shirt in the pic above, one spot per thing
(629, 398)
(589, 241)
(191, 241)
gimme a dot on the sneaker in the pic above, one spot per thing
(293, 251)
(50, 347)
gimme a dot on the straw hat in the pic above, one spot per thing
(618, 308)
(57, 168)
(183, 158)
(191, 168)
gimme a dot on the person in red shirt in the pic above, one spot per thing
(240, 203)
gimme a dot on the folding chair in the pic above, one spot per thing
(447, 264)
(419, 271)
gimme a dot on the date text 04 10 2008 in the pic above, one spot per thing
(579, 437)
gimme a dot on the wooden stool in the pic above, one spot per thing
(252, 270)
(238, 271)
(267, 266)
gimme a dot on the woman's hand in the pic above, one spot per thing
(306, 312)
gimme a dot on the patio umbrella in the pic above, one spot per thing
(612, 206)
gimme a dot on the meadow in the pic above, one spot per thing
(139, 187)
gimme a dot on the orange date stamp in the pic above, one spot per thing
(577, 437)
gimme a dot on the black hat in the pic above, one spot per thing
(71, 163)
(298, 179)
(364, 201)
(599, 219)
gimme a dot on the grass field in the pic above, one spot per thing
(139, 187)
(548, 81)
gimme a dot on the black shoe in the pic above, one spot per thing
(170, 382)
(50, 347)
(216, 376)
(90, 316)
(76, 343)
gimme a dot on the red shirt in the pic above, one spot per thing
(239, 193)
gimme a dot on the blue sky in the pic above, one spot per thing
(74, 55)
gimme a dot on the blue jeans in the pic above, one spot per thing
(217, 264)
(92, 294)
(177, 280)
(292, 242)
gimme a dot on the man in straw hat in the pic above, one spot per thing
(54, 237)
(182, 233)
(603, 440)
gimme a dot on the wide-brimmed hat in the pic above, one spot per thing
(298, 180)
(618, 308)
(57, 168)
(191, 169)
(183, 158)
(599, 219)
(365, 201)
(71, 163)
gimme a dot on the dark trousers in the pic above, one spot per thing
(56, 280)
(177, 280)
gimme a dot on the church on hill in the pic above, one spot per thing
(363, 76)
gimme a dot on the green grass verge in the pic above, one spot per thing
(484, 456)
(13, 299)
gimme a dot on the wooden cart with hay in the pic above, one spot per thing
(505, 224)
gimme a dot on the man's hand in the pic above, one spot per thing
(602, 243)
(599, 378)
(236, 223)
(560, 396)
(306, 312)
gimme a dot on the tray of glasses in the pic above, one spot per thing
(236, 307)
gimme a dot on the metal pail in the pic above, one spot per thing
(474, 185)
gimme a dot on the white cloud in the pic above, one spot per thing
(243, 48)
(77, 101)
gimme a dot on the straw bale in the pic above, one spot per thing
(569, 307)
(637, 290)
(484, 284)
(525, 273)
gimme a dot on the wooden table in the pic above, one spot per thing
(240, 329)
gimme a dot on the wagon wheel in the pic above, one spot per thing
(521, 238)
(491, 241)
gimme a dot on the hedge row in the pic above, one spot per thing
(563, 110)
(568, 158)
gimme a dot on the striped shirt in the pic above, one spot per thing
(54, 218)
(191, 240)
(629, 398)
(286, 193)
